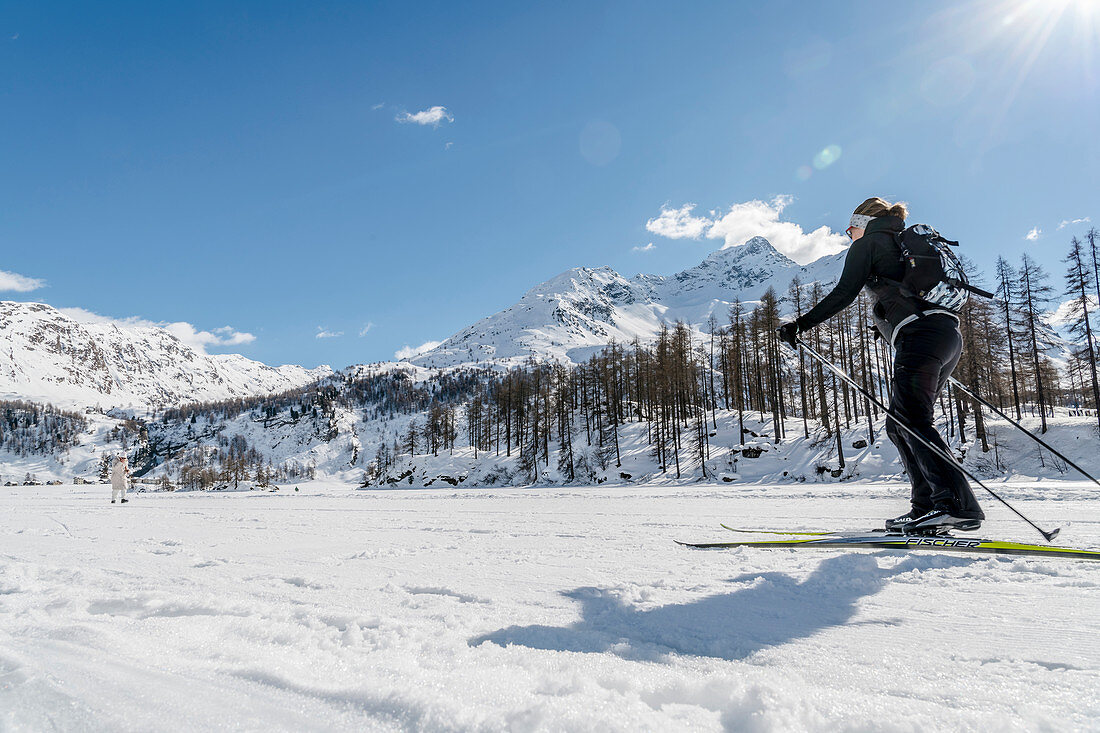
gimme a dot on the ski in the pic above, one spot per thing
(885, 541)
(878, 531)
(814, 533)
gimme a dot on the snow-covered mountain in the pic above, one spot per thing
(52, 357)
(577, 313)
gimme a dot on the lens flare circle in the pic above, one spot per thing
(827, 157)
(600, 142)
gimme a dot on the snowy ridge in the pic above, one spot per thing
(49, 356)
(573, 315)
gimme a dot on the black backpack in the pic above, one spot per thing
(933, 273)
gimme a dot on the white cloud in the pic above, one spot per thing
(1070, 222)
(231, 337)
(185, 332)
(678, 223)
(747, 220)
(647, 248)
(761, 219)
(324, 333)
(378, 106)
(199, 340)
(408, 352)
(81, 315)
(19, 283)
(366, 329)
(434, 116)
(1034, 234)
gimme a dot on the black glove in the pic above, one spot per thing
(788, 334)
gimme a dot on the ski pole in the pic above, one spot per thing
(1048, 536)
(1030, 434)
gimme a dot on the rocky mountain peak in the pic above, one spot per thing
(52, 357)
(579, 311)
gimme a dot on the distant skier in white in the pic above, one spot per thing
(120, 476)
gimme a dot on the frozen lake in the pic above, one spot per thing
(533, 609)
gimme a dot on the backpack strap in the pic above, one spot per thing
(908, 296)
(906, 253)
(971, 288)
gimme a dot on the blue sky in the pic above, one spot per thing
(258, 174)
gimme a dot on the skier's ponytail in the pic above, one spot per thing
(876, 207)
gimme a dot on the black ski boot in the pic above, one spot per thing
(897, 524)
(124, 501)
(939, 521)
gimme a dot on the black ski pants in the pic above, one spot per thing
(927, 351)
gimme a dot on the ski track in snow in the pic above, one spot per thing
(532, 609)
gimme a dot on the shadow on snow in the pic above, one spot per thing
(775, 609)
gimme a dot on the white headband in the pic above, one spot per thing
(859, 221)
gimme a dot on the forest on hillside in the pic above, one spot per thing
(30, 428)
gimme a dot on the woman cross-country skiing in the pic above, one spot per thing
(927, 347)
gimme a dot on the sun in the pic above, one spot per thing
(1022, 31)
(983, 57)
(1034, 21)
(1040, 17)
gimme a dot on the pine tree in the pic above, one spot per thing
(1006, 281)
(794, 294)
(1034, 294)
(1079, 282)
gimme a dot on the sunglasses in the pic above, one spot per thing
(848, 231)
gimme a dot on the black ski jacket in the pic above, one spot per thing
(874, 262)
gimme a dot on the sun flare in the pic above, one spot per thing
(1018, 41)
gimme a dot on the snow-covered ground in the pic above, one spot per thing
(532, 609)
